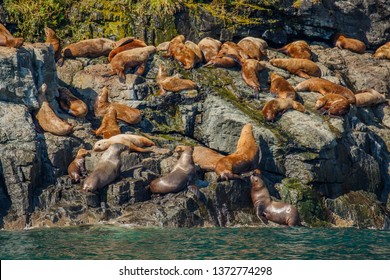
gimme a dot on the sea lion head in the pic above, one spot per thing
(49, 32)
(101, 145)
(255, 179)
(83, 152)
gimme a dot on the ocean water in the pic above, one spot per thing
(113, 242)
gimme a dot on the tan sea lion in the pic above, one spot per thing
(280, 105)
(325, 87)
(109, 126)
(180, 176)
(369, 97)
(281, 87)
(206, 158)
(163, 47)
(255, 48)
(51, 38)
(48, 120)
(245, 158)
(249, 72)
(195, 48)
(126, 44)
(135, 58)
(185, 55)
(173, 83)
(90, 48)
(76, 168)
(71, 104)
(133, 142)
(106, 170)
(269, 210)
(124, 113)
(297, 49)
(179, 39)
(233, 50)
(209, 47)
(222, 61)
(334, 104)
(351, 44)
(8, 40)
(301, 67)
(383, 51)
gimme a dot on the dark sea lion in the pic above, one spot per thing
(297, 49)
(206, 158)
(281, 87)
(51, 38)
(351, 44)
(76, 168)
(301, 67)
(71, 104)
(255, 48)
(132, 141)
(126, 44)
(90, 48)
(48, 120)
(333, 104)
(369, 97)
(280, 105)
(106, 170)
(109, 126)
(269, 210)
(209, 47)
(244, 159)
(172, 83)
(135, 58)
(383, 52)
(8, 40)
(325, 87)
(180, 176)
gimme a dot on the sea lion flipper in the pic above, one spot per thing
(61, 61)
(302, 74)
(129, 40)
(261, 216)
(141, 69)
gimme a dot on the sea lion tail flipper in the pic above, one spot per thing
(303, 74)
(139, 149)
(121, 76)
(261, 216)
(61, 61)
(141, 69)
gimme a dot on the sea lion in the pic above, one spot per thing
(47, 118)
(297, 49)
(301, 67)
(274, 106)
(51, 38)
(179, 39)
(369, 97)
(180, 176)
(163, 47)
(173, 83)
(209, 47)
(90, 48)
(255, 48)
(249, 72)
(233, 50)
(281, 87)
(106, 170)
(183, 54)
(76, 168)
(132, 141)
(245, 158)
(383, 51)
(221, 61)
(325, 87)
(195, 48)
(71, 104)
(109, 126)
(334, 104)
(125, 44)
(206, 158)
(269, 210)
(124, 113)
(135, 58)
(351, 44)
(8, 40)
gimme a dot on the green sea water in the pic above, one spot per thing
(112, 242)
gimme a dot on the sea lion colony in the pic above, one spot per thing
(130, 53)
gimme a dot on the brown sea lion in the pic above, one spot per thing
(51, 38)
(124, 113)
(185, 55)
(195, 48)
(173, 83)
(8, 40)
(280, 105)
(48, 120)
(249, 72)
(233, 50)
(301, 67)
(71, 104)
(255, 48)
(90, 48)
(209, 47)
(281, 87)
(179, 39)
(369, 97)
(76, 168)
(268, 210)
(383, 51)
(109, 126)
(133, 142)
(135, 58)
(206, 158)
(325, 87)
(126, 44)
(334, 104)
(351, 44)
(163, 47)
(297, 49)
(106, 170)
(222, 61)
(180, 176)
(245, 158)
